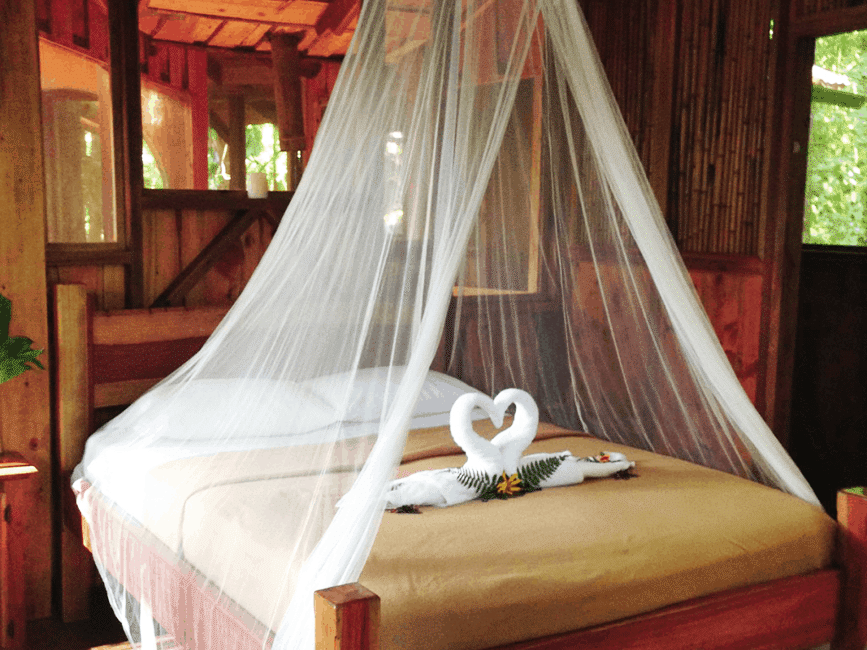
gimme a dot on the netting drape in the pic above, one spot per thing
(466, 140)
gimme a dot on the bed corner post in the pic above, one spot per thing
(852, 616)
(347, 618)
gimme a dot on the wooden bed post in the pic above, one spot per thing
(347, 618)
(852, 616)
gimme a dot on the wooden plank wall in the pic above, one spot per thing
(25, 401)
(173, 238)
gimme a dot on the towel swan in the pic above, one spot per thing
(441, 487)
(513, 441)
(501, 455)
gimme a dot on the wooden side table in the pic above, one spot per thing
(14, 472)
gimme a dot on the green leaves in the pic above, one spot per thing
(16, 355)
(836, 192)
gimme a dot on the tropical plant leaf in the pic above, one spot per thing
(5, 317)
(532, 474)
(16, 355)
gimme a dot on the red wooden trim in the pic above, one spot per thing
(797, 612)
(852, 625)
(718, 263)
(113, 363)
(347, 618)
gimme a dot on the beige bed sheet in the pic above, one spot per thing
(484, 574)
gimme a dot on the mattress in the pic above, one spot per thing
(490, 573)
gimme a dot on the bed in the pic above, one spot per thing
(668, 567)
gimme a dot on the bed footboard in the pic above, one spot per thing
(852, 617)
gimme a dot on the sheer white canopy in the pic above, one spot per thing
(473, 203)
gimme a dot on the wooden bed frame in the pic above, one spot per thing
(105, 359)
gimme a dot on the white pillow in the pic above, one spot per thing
(202, 409)
(438, 393)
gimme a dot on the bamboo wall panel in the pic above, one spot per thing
(623, 31)
(721, 94)
(173, 238)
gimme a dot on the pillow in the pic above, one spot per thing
(364, 404)
(201, 408)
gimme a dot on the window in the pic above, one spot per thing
(836, 194)
(78, 141)
(191, 125)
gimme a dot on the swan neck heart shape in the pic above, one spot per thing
(503, 452)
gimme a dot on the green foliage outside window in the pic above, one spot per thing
(153, 176)
(263, 155)
(836, 194)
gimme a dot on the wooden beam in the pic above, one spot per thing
(237, 144)
(287, 91)
(780, 246)
(196, 270)
(226, 200)
(338, 16)
(126, 107)
(829, 22)
(347, 618)
(73, 411)
(132, 326)
(197, 65)
(25, 402)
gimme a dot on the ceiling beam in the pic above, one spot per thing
(338, 16)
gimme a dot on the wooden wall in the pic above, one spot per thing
(173, 238)
(693, 80)
(697, 80)
(25, 401)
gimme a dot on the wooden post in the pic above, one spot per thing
(73, 409)
(347, 618)
(25, 401)
(126, 107)
(287, 91)
(237, 144)
(852, 616)
(197, 62)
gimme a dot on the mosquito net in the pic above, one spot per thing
(473, 205)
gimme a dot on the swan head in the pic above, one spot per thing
(525, 405)
(462, 409)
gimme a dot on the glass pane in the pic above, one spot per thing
(79, 153)
(237, 105)
(167, 129)
(836, 191)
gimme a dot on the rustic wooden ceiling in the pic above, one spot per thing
(327, 25)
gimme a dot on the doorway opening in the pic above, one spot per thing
(828, 433)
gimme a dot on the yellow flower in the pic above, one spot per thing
(509, 485)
